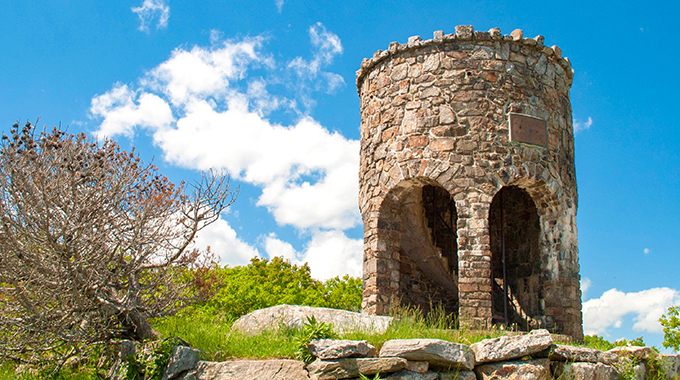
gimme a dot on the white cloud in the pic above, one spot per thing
(585, 285)
(582, 126)
(205, 109)
(646, 307)
(124, 109)
(150, 10)
(222, 240)
(326, 45)
(202, 73)
(329, 254)
(646, 251)
(279, 5)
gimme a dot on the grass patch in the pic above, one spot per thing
(212, 334)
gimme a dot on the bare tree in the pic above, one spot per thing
(92, 242)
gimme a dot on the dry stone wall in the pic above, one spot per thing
(436, 114)
(530, 356)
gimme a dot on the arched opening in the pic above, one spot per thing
(516, 262)
(418, 220)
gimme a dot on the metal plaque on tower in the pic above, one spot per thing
(528, 129)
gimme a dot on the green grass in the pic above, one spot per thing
(213, 335)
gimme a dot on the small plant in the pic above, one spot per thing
(149, 364)
(376, 377)
(310, 331)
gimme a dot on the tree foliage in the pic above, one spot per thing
(264, 283)
(92, 242)
(671, 328)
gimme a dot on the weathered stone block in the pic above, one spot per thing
(584, 371)
(348, 368)
(511, 347)
(538, 369)
(274, 369)
(181, 359)
(560, 352)
(338, 349)
(435, 351)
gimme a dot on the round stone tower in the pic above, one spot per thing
(467, 181)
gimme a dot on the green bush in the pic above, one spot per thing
(671, 328)
(264, 283)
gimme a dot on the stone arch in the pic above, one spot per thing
(417, 228)
(517, 260)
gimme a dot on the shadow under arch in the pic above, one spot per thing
(417, 225)
(517, 259)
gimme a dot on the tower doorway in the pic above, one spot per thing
(516, 262)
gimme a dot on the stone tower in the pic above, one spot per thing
(467, 181)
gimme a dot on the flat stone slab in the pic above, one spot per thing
(275, 369)
(585, 371)
(435, 351)
(458, 375)
(338, 349)
(405, 374)
(581, 354)
(295, 316)
(640, 353)
(537, 369)
(348, 368)
(511, 347)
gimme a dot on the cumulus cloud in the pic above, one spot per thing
(204, 109)
(328, 253)
(580, 126)
(150, 10)
(222, 240)
(124, 109)
(279, 5)
(646, 251)
(646, 307)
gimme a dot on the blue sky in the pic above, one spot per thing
(265, 89)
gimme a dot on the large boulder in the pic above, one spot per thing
(511, 347)
(295, 316)
(435, 351)
(537, 369)
(349, 368)
(338, 349)
(274, 369)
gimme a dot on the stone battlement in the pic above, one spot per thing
(466, 33)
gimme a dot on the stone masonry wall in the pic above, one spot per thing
(436, 112)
